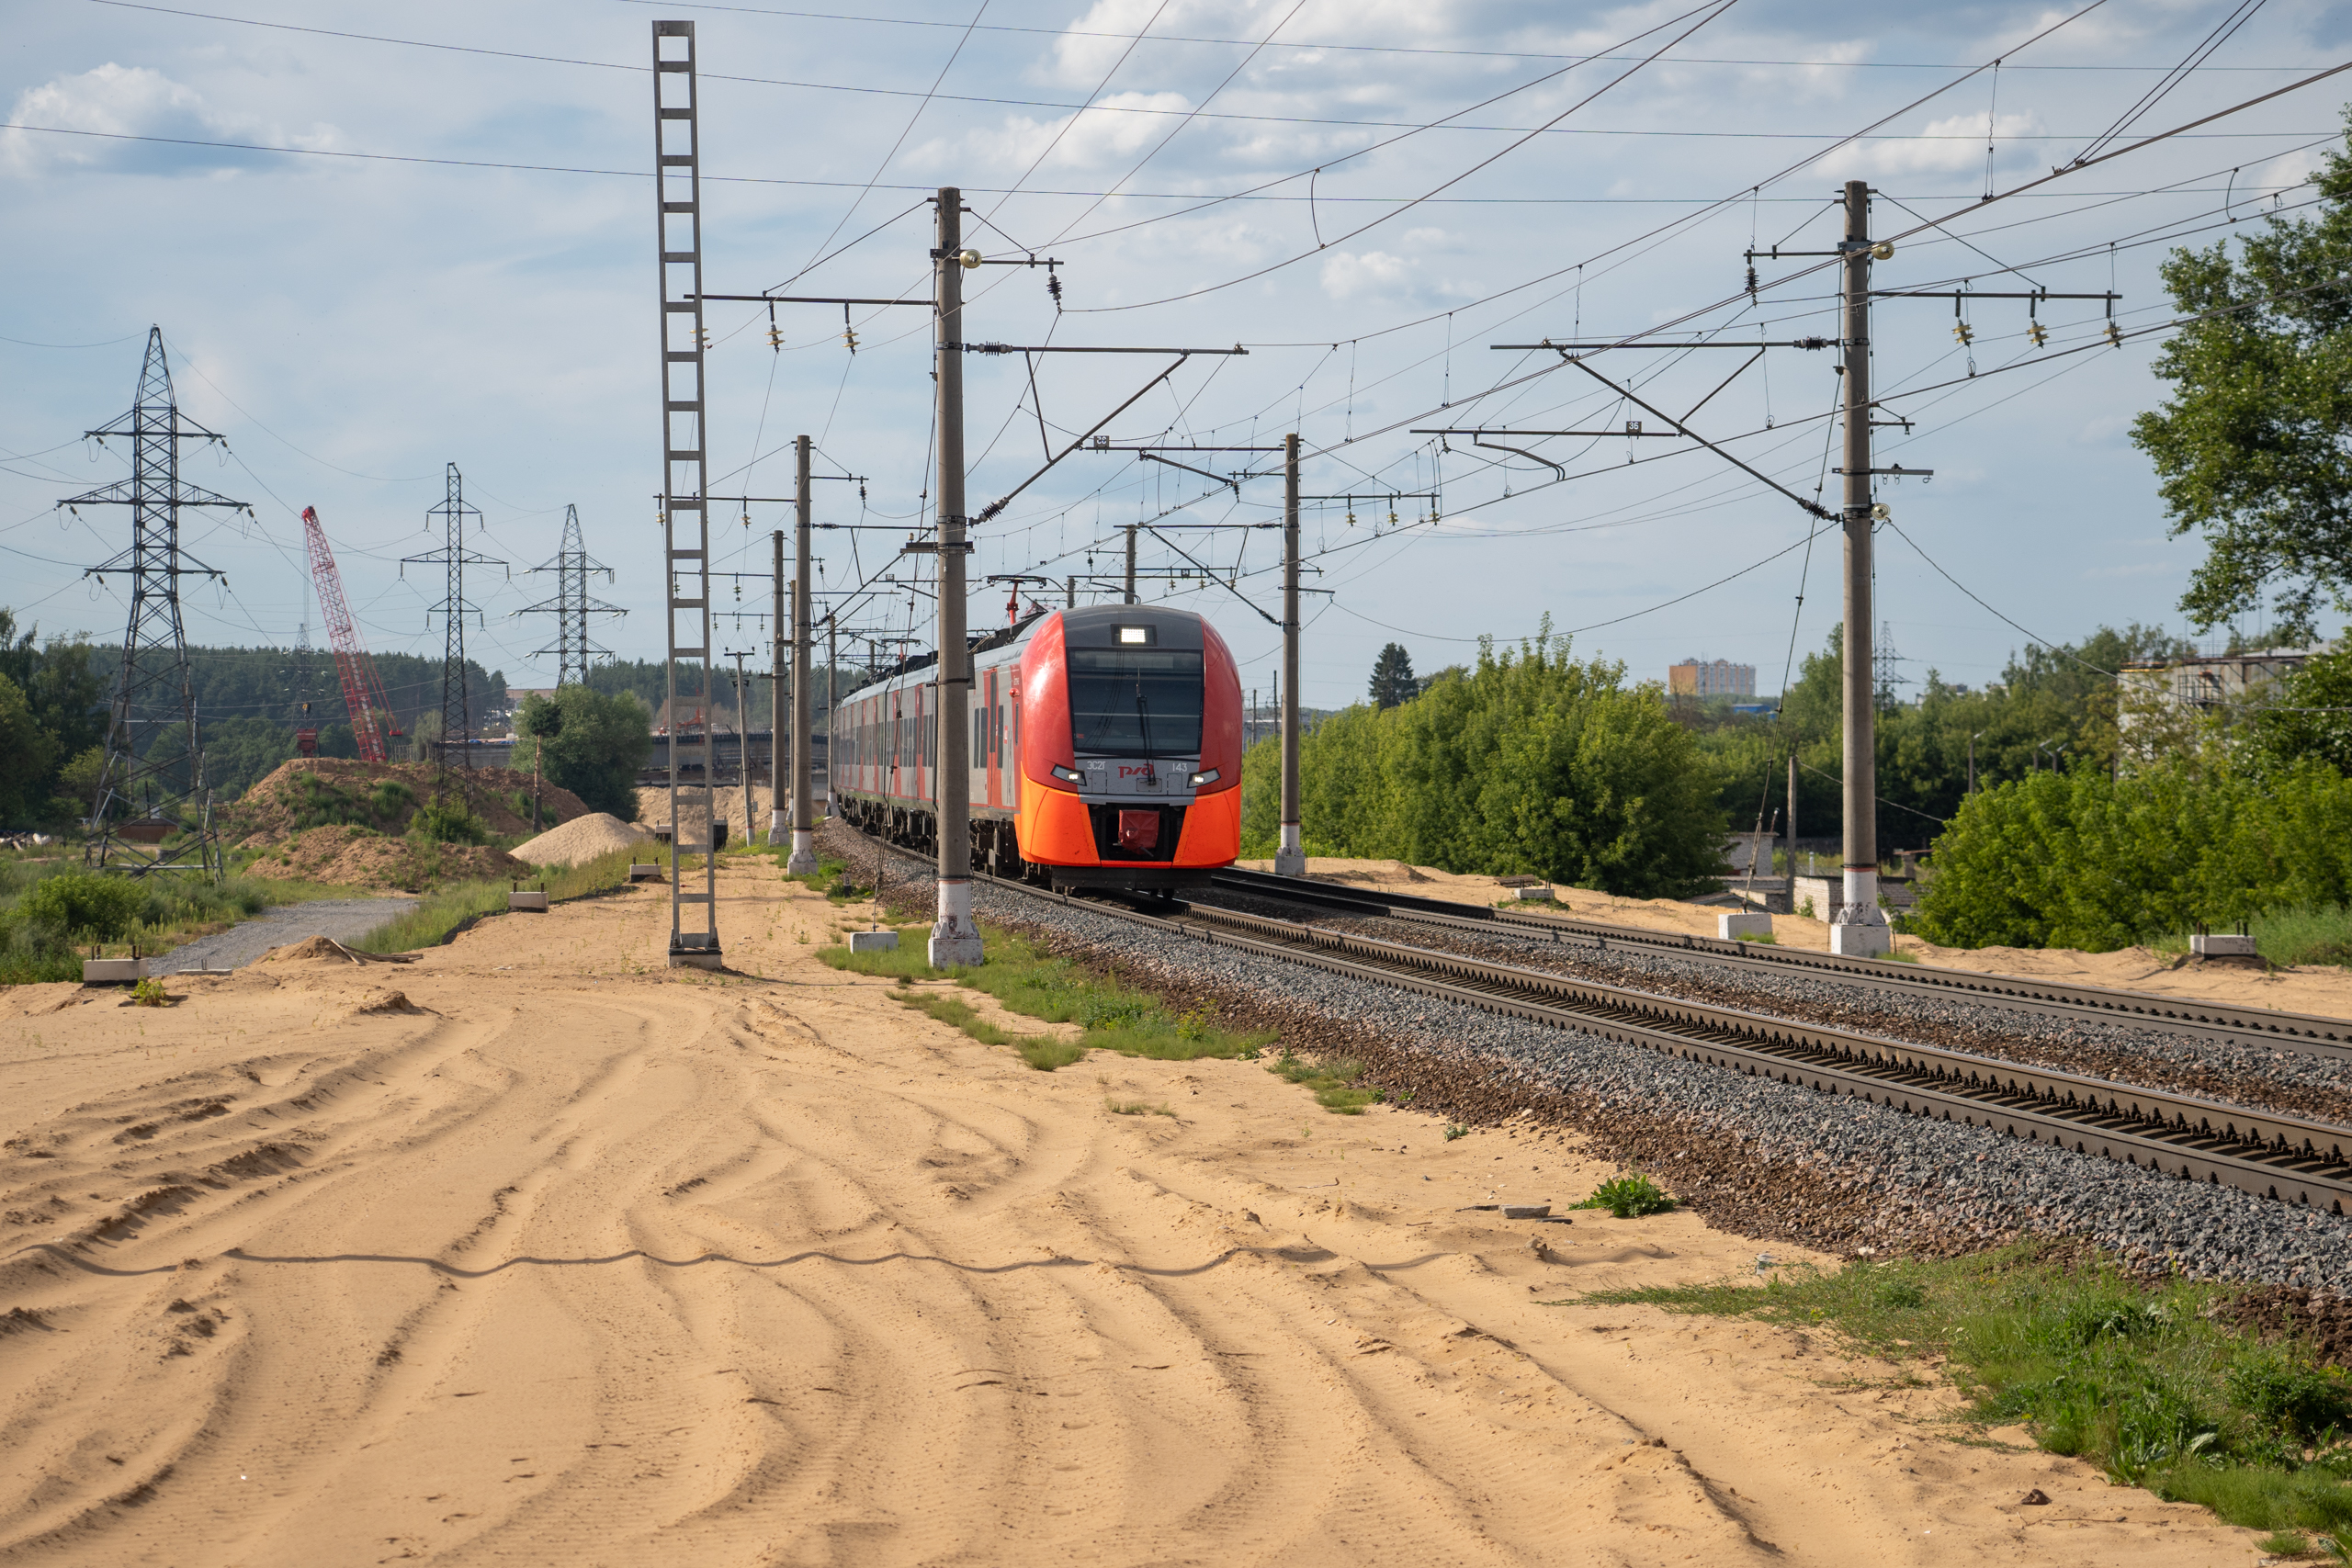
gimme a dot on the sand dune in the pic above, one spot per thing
(579, 1262)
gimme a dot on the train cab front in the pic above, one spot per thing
(1131, 760)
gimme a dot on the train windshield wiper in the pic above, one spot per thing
(1143, 718)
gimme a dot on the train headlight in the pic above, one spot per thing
(1067, 775)
(1205, 776)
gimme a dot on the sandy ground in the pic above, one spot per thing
(535, 1252)
(2325, 989)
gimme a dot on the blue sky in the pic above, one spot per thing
(376, 292)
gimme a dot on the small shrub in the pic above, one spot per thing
(1136, 1108)
(149, 993)
(1629, 1197)
(447, 824)
(84, 903)
(1455, 1130)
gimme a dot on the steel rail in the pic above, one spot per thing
(2309, 1033)
(2287, 1158)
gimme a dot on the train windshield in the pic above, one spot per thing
(1135, 702)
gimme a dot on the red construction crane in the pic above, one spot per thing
(363, 689)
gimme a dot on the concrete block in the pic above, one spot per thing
(2217, 944)
(696, 958)
(536, 901)
(1290, 863)
(644, 873)
(1828, 895)
(1538, 894)
(956, 952)
(1862, 941)
(874, 941)
(113, 971)
(1747, 922)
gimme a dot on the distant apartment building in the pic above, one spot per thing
(1711, 678)
(2208, 682)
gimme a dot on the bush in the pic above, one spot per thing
(1532, 763)
(2080, 859)
(84, 903)
(448, 824)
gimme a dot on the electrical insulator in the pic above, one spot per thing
(1351, 519)
(775, 337)
(1963, 332)
(2113, 336)
(1751, 282)
(2038, 332)
(849, 336)
(703, 333)
(1054, 288)
(1391, 518)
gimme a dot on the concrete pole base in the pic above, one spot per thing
(1290, 860)
(779, 824)
(696, 958)
(804, 855)
(1860, 939)
(955, 939)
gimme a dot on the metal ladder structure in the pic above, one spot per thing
(685, 512)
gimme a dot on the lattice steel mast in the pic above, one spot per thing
(456, 701)
(154, 690)
(571, 606)
(685, 505)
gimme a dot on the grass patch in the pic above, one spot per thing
(2143, 1381)
(1767, 938)
(1031, 982)
(55, 913)
(441, 915)
(1629, 1197)
(1455, 1130)
(1136, 1108)
(1333, 1084)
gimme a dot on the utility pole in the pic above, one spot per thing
(1070, 593)
(1792, 827)
(1131, 563)
(1290, 857)
(955, 939)
(776, 669)
(1859, 930)
(804, 818)
(743, 738)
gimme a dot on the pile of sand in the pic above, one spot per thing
(581, 840)
(359, 858)
(327, 947)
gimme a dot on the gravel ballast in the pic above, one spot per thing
(1764, 1158)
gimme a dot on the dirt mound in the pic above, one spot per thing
(327, 947)
(360, 857)
(316, 792)
(581, 839)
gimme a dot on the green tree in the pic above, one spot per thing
(1392, 677)
(2307, 717)
(27, 757)
(1533, 762)
(2255, 445)
(588, 742)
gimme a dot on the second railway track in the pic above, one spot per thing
(2285, 1158)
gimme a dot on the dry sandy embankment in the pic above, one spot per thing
(2325, 989)
(583, 1262)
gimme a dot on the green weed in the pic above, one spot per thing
(2149, 1382)
(1134, 1108)
(1333, 1084)
(149, 993)
(1455, 1130)
(1629, 1197)
(1034, 984)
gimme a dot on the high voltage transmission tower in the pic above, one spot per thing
(456, 701)
(571, 606)
(154, 747)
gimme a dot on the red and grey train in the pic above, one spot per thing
(1106, 751)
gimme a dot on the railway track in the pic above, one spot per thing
(2305, 1032)
(2287, 1159)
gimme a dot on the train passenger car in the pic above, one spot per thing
(1106, 751)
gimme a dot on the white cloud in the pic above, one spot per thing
(121, 101)
(1346, 273)
(1956, 145)
(1097, 138)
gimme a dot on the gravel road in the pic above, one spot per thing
(346, 919)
